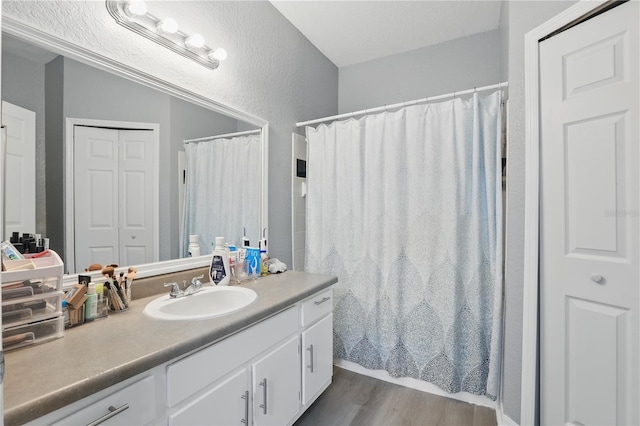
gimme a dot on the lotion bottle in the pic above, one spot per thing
(91, 304)
(219, 272)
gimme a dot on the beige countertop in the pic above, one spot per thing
(43, 378)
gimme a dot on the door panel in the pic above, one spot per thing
(96, 196)
(589, 222)
(20, 191)
(137, 212)
(114, 196)
(277, 402)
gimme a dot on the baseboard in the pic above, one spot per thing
(420, 385)
(502, 418)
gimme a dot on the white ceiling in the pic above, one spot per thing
(349, 31)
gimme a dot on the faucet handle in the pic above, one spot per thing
(196, 280)
(175, 289)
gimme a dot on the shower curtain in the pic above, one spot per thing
(223, 187)
(405, 208)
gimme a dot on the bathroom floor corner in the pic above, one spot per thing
(356, 399)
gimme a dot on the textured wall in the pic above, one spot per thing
(459, 64)
(272, 71)
(523, 16)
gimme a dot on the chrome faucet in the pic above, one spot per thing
(194, 287)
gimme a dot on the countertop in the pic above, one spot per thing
(43, 378)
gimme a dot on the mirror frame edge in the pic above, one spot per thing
(60, 46)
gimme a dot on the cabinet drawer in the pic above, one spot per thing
(316, 306)
(202, 368)
(139, 397)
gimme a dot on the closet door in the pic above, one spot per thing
(113, 196)
(96, 196)
(136, 203)
(589, 222)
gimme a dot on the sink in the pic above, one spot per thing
(210, 302)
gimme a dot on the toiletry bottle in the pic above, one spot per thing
(264, 269)
(194, 246)
(219, 270)
(91, 304)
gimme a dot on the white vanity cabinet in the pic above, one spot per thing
(131, 402)
(276, 385)
(267, 374)
(316, 319)
(317, 358)
(227, 403)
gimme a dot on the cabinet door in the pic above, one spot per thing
(225, 404)
(317, 357)
(276, 385)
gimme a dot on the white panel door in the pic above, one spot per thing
(136, 203)
(20, 190)
(114, 196)
(589, 230)
(95, 196)
(276, 385)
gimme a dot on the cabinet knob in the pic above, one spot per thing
(597, 278)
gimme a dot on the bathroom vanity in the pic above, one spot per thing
(263, 365)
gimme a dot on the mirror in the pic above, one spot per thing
(72, 100)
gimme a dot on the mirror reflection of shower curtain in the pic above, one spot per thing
(405, 208)
(223, 187)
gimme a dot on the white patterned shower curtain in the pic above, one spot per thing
(405, 208)
(223, 187)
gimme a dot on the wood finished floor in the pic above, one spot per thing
(355, 399)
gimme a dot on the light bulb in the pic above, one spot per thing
(218, 54)
(168, 26)
(135, 8)
(195, 41)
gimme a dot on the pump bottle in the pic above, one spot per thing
(219, 272)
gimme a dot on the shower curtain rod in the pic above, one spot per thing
(404, 104)
(227, 135)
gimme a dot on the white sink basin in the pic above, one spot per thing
(210, 302)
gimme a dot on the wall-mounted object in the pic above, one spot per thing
(133, 15)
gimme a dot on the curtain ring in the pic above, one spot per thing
(474, 89)
(454, 94)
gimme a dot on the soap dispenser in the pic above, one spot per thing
(219, 271)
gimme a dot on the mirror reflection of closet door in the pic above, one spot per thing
(113, 193)
(20, 187)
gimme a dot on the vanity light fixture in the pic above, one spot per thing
(132, 14)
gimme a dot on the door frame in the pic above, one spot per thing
(570, 17)
(69, 179)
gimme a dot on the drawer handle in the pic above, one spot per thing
(245, 396)
(113, 411)
(263, 383)
(320, 302)
(310, 349)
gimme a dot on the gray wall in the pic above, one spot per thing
(23, 85)
(459, 64)
(54, 150)
(523, 16)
